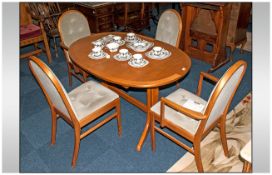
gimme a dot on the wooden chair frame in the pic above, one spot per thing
(200, 133)
(35, 40)
(43, 13)
(73, 121)
(72, 68)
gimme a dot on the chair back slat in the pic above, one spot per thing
(223, 93)
(169, 27)
(72, 26)
(44, 76)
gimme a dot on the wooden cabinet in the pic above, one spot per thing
(239, 20)
(132, 16)
(208, 28)
(100, 15)
(205, 31)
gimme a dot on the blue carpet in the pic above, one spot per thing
(103, 150)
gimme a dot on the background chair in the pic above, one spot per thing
(48, 14)
(32, 34)
(196, 120)
(72, 26)
(169, 28)
(79, 107)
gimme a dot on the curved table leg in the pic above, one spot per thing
(152, 97)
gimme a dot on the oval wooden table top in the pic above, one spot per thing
(156, 73)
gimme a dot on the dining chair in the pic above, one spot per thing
(79, 107)
(169, 28)
(47, 14)
(32, 34)
(192, 117)
(72, 26)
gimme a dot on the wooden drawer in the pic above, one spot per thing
(103, 10)
(105, 19)
(106, 27)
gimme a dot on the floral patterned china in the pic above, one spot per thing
(153, 54)
(92, 55)
(140, 46)
(138, 61)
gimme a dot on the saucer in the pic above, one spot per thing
(137, 65)
(140, 46)
(108, 38)
(99, 40)
(120, 58)
(136, 39)
(121, 43)
(103, 55)
(164, 54)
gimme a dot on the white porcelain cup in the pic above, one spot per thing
(117, 39)
(131, 36)
(97, 51)
(157, 50)
(123, 52)
(137, 58)
(98, 44)
(113, 47)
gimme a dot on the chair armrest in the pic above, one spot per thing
(188, 112)
(63, 46)
(201, 77)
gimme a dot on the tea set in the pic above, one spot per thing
(113, 42)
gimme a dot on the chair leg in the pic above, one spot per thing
(242, 46)
(36, 46)
(84, 74)
(76, 147)
(47, 50)
(70, 75)
(177, 85)
(198, 157)
(119, 125)
(55, 46)
(152, 132)
(232, 49)
(223, 137)
(54, 127)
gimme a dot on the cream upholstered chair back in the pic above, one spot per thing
(222, 94)
(73, 25)
(51, 86)
(169, 27)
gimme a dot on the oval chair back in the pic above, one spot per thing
(223, 93)
(55, 93)
(72, 26)
(169, 28)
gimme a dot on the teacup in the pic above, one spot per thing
(98, 44)
(123, 52)
(113, 47)
(157, 50)
(131, 36)
(138, 58)
(117, 39)
(97, 51)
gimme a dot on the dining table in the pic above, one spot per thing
(119, 74)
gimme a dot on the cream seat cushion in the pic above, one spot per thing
(89, 97)
(180, 96)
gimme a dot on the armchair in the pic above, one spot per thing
(192, 117)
